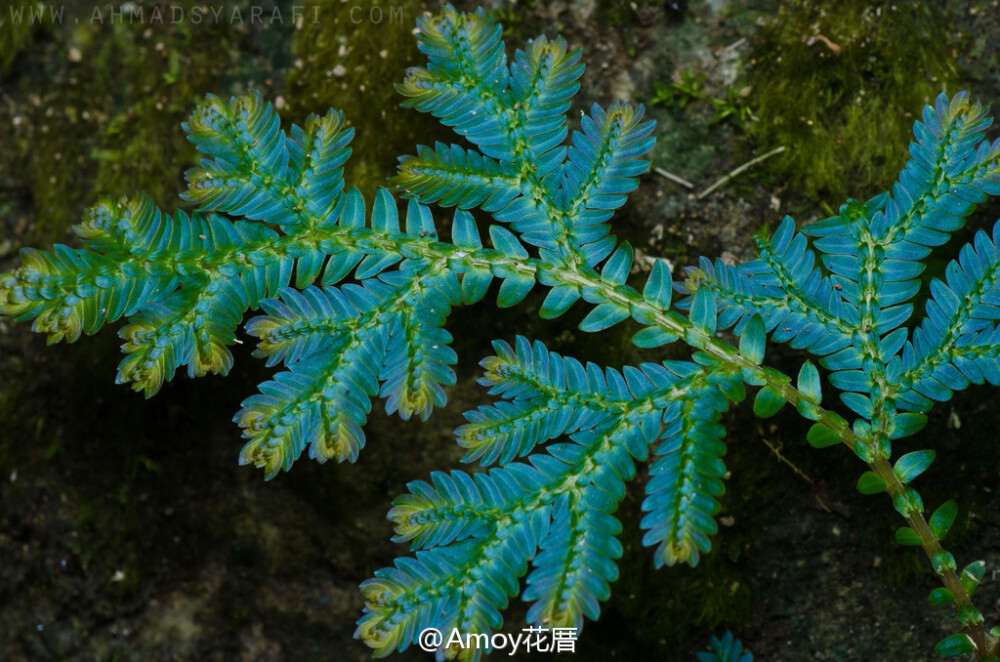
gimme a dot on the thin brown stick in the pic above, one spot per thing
(674, 178)
(732, 173)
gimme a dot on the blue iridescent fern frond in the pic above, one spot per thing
(851, 315)
(277, 229)
(725, 649)
(354, 301)
(555, 197)
(556, 510)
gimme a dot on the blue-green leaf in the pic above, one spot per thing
(726, 649)
(659, 285)
(768, 402)
(942, 519)
(820, 436)
(507, 243)
(464, 231)
(513, 290)
(871, 483)
(603, 316)
(653, 336)
(956, 644)
(558, 301)
(912, 465)
(752, 341)
(972, 574)
(941, 596)
(908, 537)
(616, 269)
(703, 314)
(808, 382)
(904, 425)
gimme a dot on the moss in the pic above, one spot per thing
(837, 83)
(141, 147)
(685, 141)
(106, 120)
(17, 30)
(619, 13)
(348, 61)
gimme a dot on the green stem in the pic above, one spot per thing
(932, 547)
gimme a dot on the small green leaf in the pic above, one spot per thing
(809, 410)
(753, 377)
(941, 596)
(908, 502)
(659, 285)
(871, 483)
(903, 425)
(752, 340)
(809, 382)
(615, 270)
(464, 232)
(733, 389)
(605, 315)
(943, 561)
(513, 290)
(912, 465)
(776, 376)
(943, 518)
(907, 537)
(956, 644)
(768, 402)
(864, 451)
(821, 436)
(972, 575)
(505, 242)
(703, 311)
(653, 336)
(475, 284)
(385, 216)
(558, 301)
(969, 615)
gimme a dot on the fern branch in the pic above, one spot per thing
(560, 208)
(451, 177)
(255, 171)
(785, 289)
(949, 346)
(577, 484)
(571, 479)
(687, 477)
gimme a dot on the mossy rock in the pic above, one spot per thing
(106, 120)
(838, 83)
(349, 61)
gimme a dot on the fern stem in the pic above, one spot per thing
(984, 642)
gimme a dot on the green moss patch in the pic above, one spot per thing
(837, 83)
